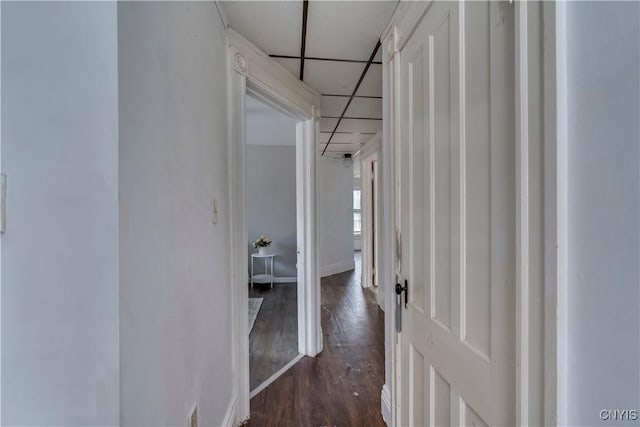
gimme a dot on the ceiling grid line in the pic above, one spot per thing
(315, 58)
(350, 133)
(303, 43)
(327, 48)
(352, 118)
(355, 96)
(346, 107)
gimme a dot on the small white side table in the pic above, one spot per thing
(267, 277)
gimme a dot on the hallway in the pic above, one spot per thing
(341, 386)
(506, 189)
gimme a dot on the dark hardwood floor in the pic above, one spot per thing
(273, 341)
(341, 386)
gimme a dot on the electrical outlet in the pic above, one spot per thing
(193, 418)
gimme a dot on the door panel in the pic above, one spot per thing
(441, 51)
(417, 387)
(477, 180)
(440, 402)
(421, 156)
(457, 188)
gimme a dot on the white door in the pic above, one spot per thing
(457, 362)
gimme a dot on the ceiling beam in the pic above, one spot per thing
(346, 107)
(305, 12)
(315, 58)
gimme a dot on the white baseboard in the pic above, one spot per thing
(232, 413)
(278, 279)
(385, 403)
(285, 279)
(338, 267)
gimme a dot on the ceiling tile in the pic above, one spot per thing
(354, 138)
(350, 125)
(365, 107)
(328, 124)
(332, 105)
(346, 138)
(273, 26)
(372, 83)
(330, 77)
(292, 65)
(330, 155)
(341, 148)
(346, 29)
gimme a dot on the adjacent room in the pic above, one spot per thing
(272, 247)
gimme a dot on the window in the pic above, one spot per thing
(357, 214)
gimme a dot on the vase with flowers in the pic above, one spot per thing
(262, 243)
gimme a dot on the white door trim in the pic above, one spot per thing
(555, 210)
(388, 164)
(252, 71)
(370, 230)
(545, 339)
(4, 209)
(523, 322)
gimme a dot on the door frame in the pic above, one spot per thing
(540, 304)
(370, 221)
(251, 71)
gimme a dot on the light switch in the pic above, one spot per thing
(214, 211)
(3, 201)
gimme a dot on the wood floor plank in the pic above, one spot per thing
(341, 386)
(273, 341)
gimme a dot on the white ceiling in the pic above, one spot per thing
(267, 24)
(344, 30)
(328, 77)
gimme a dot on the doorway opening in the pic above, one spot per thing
(253, 73)
(270, 156)
(370, 208)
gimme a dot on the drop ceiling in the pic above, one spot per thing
(339, 40)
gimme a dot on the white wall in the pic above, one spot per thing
(603, 209)
(60, 251)
(267, 126)
(174, 282)
(335, 216)
(271, 184)
(271, 202)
